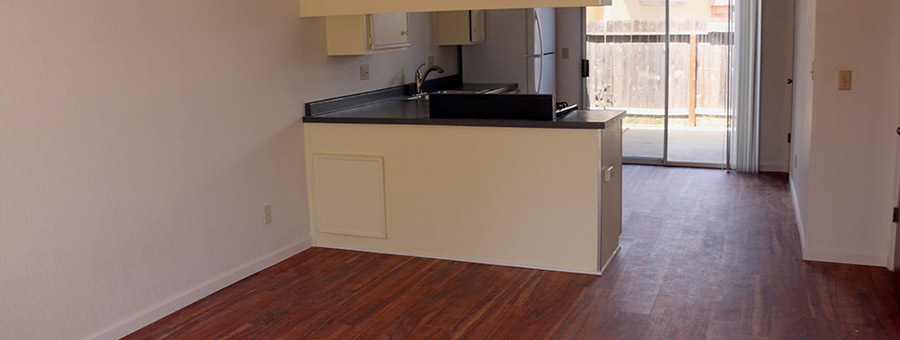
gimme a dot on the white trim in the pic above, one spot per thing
(835, 257)
(461, 260)
(893, 249)
(153, 313)
(616, 252)
(892, 253)
(800, 227)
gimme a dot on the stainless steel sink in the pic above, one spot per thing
(457, 92)
(413, 98)
(425, 96)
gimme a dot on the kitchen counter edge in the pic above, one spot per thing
(580, 119)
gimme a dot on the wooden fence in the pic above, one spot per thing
(629, 59)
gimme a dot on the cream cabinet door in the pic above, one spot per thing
(461, 27)
(388, 31)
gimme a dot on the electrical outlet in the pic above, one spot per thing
(845, 80)
(430, 61)
(565, 53)
(268, 210)
(364, 72)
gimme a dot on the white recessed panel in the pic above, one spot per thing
(349, 195)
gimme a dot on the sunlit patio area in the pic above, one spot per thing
(686, 144)
(667, 71)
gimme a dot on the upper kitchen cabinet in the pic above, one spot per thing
(461, 27)
(366, 34)
(319, 8)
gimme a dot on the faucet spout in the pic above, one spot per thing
(420, 77)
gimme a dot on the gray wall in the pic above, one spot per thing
(568, 71)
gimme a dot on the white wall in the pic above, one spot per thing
(804, 54)
(139, 141)
(569, 84)
(852, 150)
(777, 57)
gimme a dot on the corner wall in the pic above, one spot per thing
(852, 140)
(139, 142)
(801, 130)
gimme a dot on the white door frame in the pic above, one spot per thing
(893, 260)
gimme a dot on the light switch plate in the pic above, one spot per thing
(845, 80)
(565, 53)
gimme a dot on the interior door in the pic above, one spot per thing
(776, 89)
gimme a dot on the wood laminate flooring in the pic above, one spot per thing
(706, 254)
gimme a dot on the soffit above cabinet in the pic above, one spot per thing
(318, 8)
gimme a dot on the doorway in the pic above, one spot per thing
(668, 63)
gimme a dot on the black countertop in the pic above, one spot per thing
(397, 110)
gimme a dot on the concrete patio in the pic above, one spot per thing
(686, 144)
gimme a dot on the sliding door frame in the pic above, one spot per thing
(664, 161)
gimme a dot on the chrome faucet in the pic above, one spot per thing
(420, 78)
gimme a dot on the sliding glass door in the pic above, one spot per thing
(626, 50)
(668, 64)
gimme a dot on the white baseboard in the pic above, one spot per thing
(588, 272)
(195, 293)
(835, 257)
(800, 226)
(818, 255)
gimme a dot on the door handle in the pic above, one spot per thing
(540, 32)
(898, 130)
(790, 81)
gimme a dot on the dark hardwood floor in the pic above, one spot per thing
(706, 254)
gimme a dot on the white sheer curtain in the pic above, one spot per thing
(745, 109)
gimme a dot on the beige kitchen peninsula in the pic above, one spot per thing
(387, 178)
